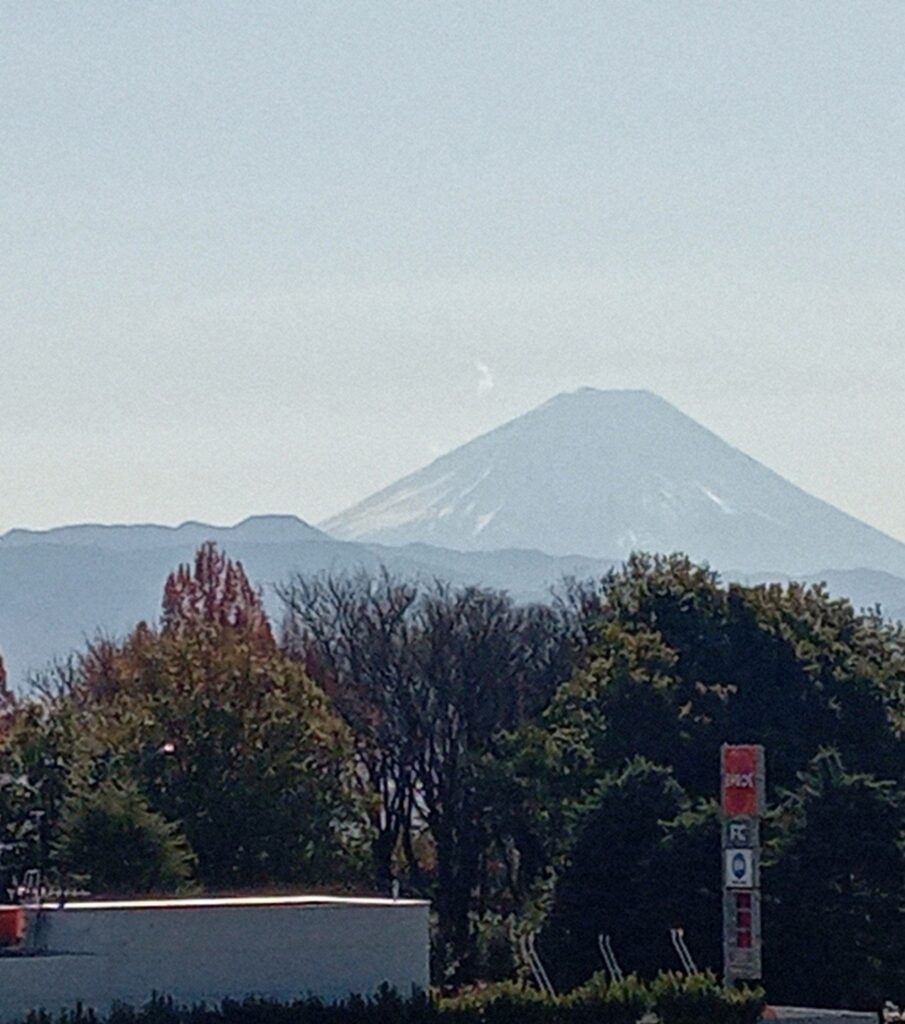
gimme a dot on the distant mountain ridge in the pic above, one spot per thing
(59, 588)
(272, 529)
(602, 473)
(515, 510)
(54, 596)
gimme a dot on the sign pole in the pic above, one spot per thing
(742, 804)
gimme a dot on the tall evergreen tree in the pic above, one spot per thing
(835, 889)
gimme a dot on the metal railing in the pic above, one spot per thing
(605, 945)
(678, 940)
(528, 949)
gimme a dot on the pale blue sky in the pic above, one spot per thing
(266, 257)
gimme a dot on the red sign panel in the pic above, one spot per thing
(740, 797)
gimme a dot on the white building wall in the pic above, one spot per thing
(208, 950)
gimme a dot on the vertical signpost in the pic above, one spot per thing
(742, 802)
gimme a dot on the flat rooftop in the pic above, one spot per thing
(204, 902)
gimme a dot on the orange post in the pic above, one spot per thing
(12, 925)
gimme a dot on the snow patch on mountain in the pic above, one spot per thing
(484, 521)
(718, 501)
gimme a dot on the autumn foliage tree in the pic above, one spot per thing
(220, 732)
(215, 595)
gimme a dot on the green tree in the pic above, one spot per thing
(676, 665)
(37, 764)
(238, 746)
(220, 732)
(835, 889)
(111, 840)
(616, 877)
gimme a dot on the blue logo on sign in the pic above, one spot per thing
(739, 867)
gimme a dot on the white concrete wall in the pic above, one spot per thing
(206, 951)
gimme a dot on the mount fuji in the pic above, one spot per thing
(603, 473)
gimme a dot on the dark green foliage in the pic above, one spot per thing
(674, 999)
(681, 664)
(36, 771)
(599, 1001)
(690, 854)
(678, 665)
(701, 999)
(113, 842)
(19, 832)
(234, 743)
(616, 878)
(834, 887)
(386, 1007)
(501, 1003)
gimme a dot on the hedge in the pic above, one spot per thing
(668, 999)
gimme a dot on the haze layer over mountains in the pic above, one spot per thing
(567, 489)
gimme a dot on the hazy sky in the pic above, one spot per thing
(266, 257)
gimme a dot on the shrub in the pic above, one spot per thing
(506, 1002)
(674, 998)
(702, 999)
(600, 1001)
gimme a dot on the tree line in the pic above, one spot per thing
(546, 768)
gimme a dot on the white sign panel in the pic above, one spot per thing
(739, 869)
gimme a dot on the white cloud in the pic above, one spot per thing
(485, 377)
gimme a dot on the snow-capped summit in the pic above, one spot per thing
(602, 473)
